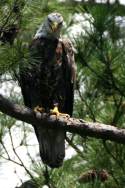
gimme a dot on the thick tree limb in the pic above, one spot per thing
(73, 125)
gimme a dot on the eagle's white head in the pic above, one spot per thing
(51, 27)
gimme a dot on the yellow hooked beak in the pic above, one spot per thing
(54, 26)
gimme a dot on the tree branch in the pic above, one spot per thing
(73, 125)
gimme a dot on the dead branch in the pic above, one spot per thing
(73, 125)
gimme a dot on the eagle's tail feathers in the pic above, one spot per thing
(52, 147)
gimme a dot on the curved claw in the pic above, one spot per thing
(56, 112)
(39, 109)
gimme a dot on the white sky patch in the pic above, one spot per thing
(70, 152)
(122, 1)
(11, 173)
(120, 21)
(9, 86)
(98, 1)
(81, 24)
(8, 177)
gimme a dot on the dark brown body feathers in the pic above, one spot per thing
(47, 80)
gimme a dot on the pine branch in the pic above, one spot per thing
(88, 5)
(73, 125)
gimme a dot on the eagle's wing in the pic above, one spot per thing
(29, 74)
(24, 84)
(70, 70)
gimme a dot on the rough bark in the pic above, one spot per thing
(73, 125)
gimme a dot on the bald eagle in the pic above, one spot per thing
(47, 82)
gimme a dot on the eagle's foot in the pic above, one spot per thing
(56, 112)
(39, 109)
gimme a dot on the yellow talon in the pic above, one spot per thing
(39, 109)
(56, 112)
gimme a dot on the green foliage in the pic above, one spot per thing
(101, 98)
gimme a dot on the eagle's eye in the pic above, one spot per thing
(49, 20)
(59, 24)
